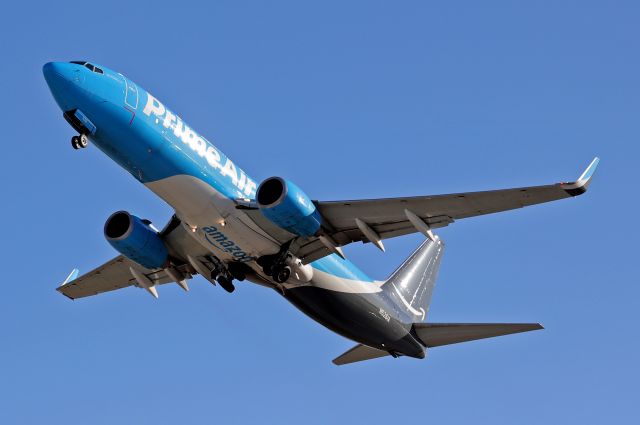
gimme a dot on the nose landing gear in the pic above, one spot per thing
(80, 142)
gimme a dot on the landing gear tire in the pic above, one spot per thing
(226, 283)
(281, 273)
(83, 141)
(238, 271)
(80, 142)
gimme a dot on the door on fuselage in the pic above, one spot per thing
(130, 94)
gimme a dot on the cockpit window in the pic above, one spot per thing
(89, 66)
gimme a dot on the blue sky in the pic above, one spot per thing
(349, 100)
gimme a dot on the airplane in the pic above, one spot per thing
(228, 228)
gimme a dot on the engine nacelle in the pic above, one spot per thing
(288, 207)
(136, 240)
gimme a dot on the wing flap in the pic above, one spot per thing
(437, 334)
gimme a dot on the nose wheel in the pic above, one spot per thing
(80, 142)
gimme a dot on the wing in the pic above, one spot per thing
(374, 220)
(117, 273)
(112, 275)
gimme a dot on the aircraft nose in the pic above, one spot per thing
(56, 72)
(63, 80)
(48, 68)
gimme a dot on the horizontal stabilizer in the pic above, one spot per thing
(437, 334)
(359, 353)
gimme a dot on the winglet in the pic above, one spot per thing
(72, 276)
(581, 185)
(588, 173)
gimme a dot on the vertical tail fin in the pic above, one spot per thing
(411, 285)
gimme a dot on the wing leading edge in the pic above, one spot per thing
(373, 220)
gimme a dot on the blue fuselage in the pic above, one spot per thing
(203, 185)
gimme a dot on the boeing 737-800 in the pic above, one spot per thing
(228, 228)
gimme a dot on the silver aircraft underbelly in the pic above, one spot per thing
(200, 206)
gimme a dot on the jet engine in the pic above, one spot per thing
(134, 238)
(288, 207)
